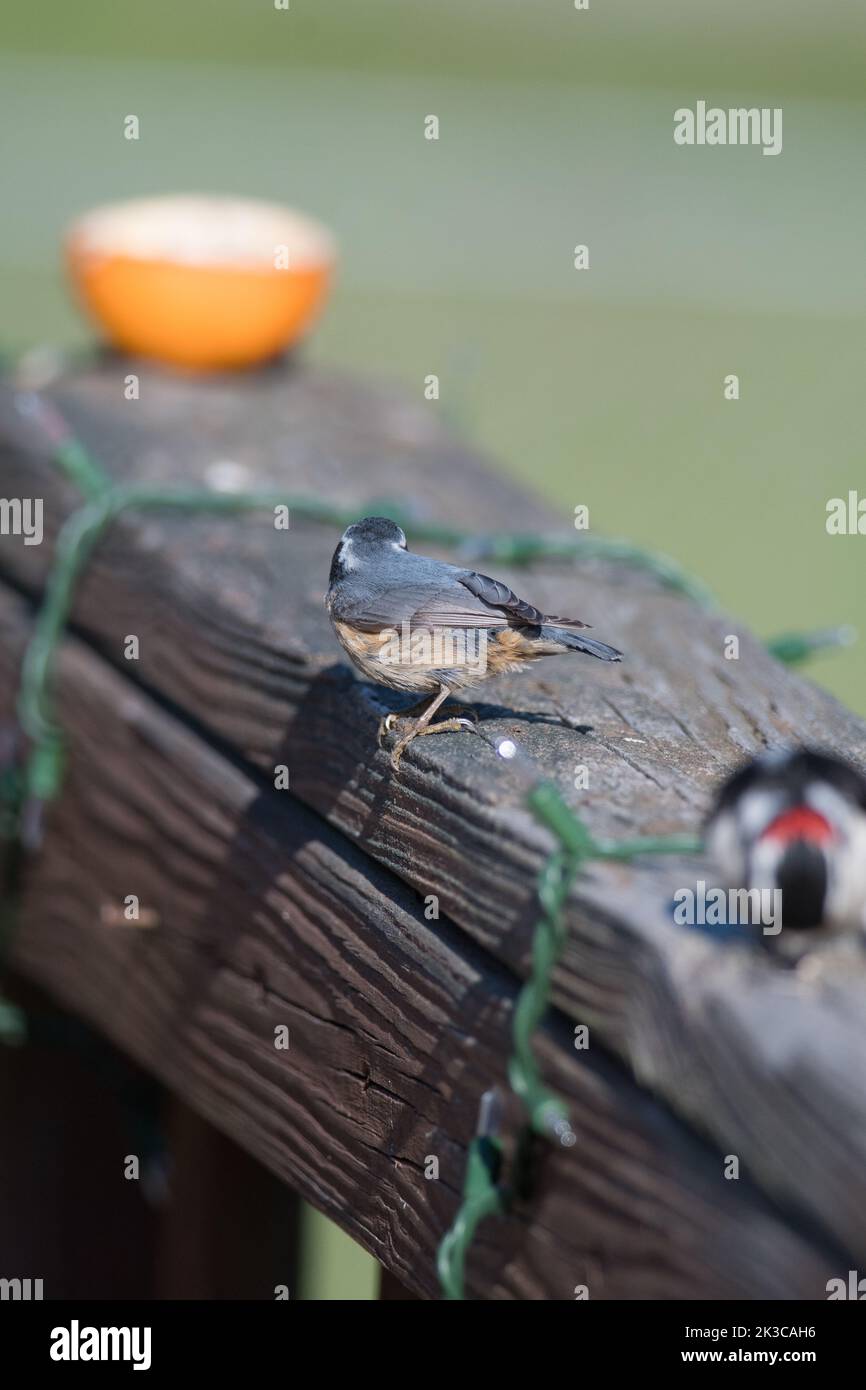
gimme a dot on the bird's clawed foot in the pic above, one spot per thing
(386, 725)
(457, 714)
(444, 726)
(461, 712)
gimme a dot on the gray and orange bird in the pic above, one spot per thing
(431, 628)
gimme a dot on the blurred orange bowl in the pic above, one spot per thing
(201, 282)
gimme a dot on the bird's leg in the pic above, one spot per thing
(423, 726)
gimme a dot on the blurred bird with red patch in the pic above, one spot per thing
(796, 821)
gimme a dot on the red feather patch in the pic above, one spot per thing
(800, 823)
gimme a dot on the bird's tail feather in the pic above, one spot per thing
(578, 643)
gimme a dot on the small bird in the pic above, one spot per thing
(795, 820)
(421, 625)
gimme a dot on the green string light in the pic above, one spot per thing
(545, 1113)
(106, 501)
(23, 793)
(793, 648)
(75, 543)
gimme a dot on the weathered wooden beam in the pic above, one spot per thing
(233, 634)
(266, 917)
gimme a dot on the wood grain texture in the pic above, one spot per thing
(768, 1065)
(267, 917)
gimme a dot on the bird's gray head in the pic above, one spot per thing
(375, 530)
(372, 535)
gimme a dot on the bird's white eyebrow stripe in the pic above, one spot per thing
(347, 559)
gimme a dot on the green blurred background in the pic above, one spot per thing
(602, 387)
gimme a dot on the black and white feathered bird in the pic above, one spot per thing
(796, 821)
(421, 625)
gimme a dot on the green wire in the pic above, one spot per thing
(793, 648)
(75, 543)
(105, 501)
(76, 464)
(482, 1197)
(546, 1114)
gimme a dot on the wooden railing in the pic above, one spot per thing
(313, 909)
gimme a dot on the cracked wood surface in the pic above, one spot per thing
(267, 917)
(767, 1065)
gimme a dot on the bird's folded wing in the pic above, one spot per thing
(467, 600)
(498, 595)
